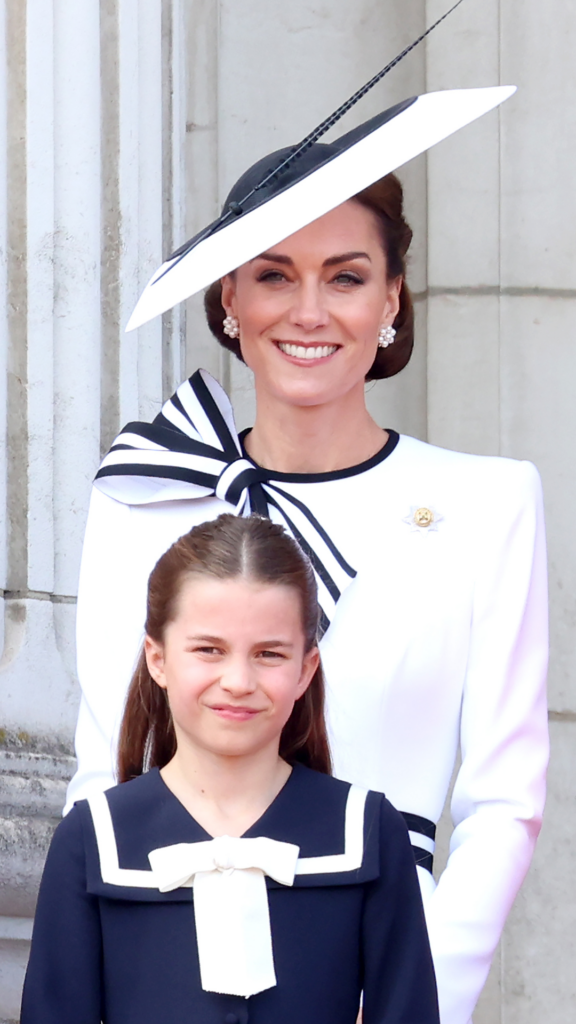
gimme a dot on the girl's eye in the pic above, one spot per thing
(273, 655)
(207, 650)
(346, 277)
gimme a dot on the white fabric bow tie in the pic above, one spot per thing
(230, 905)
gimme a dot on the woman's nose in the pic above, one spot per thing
(309, 308)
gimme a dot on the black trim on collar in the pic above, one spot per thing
(337, 474)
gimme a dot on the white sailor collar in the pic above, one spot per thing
(335, 825)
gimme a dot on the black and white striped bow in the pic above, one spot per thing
(192, 450)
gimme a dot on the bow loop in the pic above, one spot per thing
(176, 866)
(230, 905)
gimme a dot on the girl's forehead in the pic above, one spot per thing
(235, 602)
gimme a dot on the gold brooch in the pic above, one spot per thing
(422, 519)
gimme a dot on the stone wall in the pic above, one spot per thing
(122, 126)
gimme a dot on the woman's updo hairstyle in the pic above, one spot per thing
(385, 199)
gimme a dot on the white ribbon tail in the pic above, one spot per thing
(233, 931)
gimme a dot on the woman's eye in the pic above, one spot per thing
(207, 650)
(271, 276)
(275, 655)
(348, 278)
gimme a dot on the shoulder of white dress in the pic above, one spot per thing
(485, 469)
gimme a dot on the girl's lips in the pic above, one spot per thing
(233, 713)
(306, 355)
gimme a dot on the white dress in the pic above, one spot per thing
(438, 645)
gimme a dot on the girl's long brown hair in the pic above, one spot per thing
(225, 548)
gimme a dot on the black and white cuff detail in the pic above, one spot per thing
(422, 833)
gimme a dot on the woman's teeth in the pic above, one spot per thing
(307, 352)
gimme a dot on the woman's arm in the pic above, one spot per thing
(399, 985)
(63, 981)
(109, 629)
(499, 793)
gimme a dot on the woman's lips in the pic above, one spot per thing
(233, 713)
(306, 353)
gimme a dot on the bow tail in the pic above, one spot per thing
(233, 932)
(329, 591)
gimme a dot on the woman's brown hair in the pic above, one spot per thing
(229, 547)
(386, 200)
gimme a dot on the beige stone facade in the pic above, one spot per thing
(122, 125)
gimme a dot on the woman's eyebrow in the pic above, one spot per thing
(345, 257)
(273, 257)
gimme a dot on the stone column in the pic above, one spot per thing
(92, 124)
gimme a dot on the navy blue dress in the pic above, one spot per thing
(109, 948)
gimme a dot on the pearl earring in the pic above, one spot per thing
(386, 336)
(231, 327)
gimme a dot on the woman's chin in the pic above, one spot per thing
(310, 393)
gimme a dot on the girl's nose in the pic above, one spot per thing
(238, 678)
(309, 308)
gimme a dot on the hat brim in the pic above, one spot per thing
(431, 118)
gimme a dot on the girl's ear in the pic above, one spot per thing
(154, 653)
(309, 665)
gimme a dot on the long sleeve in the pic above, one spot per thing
(63, 980)
(499, 793)
(399, 985)
(109, 631)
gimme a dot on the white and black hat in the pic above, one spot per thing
(292, 187)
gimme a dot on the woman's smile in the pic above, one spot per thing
(311, 353)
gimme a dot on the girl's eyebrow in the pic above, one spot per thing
(207, 639)
(274, 643)
(220, 640)
(345, 257)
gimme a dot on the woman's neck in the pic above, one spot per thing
(291, 438)
(225, 795)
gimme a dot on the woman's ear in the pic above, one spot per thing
(154, 653)
(228, 294)
(309, 666)
(392, 307)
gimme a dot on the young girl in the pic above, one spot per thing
(307, 897)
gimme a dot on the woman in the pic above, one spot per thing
(431, 564)
(219, 864)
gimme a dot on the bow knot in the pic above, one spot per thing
(223, 857)
(235, 480)
(230, 905)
